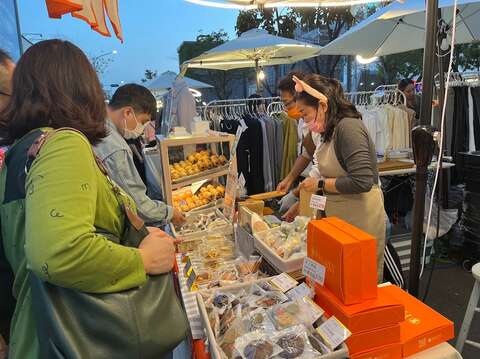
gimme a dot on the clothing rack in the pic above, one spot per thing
(459, 79)
(377, 98)
(275, 107)
(239, 107)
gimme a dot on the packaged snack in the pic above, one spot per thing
(285, 315)
(258, 320)
(257, 345)
(317, 342)
(270, 299)
(294, 343)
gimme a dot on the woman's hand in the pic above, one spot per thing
(293, 212)
(158, 252)
(285, 185)
(310, 184)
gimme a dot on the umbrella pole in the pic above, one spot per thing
(423, 144)
(257, 76)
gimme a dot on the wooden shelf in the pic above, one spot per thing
(221, 172)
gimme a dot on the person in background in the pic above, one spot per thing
(54, 216)
(7, 301)
(346, 159)
(407, 86)
(414, 100)
(308, 143)
(129, 111)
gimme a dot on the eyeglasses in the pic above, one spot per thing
(287, 103)
(5, 94)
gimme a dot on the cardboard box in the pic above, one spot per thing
(368, 243)
(341, 255)
(372, 314)
(392, 351)
(423, 327)
(368, 340)
(305, 209)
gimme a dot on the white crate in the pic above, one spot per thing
(214, 348)
(290, 265)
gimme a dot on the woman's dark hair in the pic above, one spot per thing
(54, 85)
(402, 84)
(338, 106)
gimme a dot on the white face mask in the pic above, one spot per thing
(136, 132)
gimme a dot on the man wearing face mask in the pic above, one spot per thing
(129, 111)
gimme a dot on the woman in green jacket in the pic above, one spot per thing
(51, 216)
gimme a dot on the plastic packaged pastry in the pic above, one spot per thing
(294, 343)
(257, 345)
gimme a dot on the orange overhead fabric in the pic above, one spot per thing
(57, 8)
(92, 12)
(112, 11)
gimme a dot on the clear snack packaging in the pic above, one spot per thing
(300, 311)
(294, 343)
(257, 345)
(317, 342)
(258, 320)
(269, 299)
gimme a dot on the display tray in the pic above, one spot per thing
(340, 353)
(291, 265)
(200, 175)
(226, 230)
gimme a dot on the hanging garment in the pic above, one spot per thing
(279, 134)
(249, 152)
(182, 107)
(267, 174)
(290, 142)
(471, 133)
(460, 140)
(363, 210)
(475, 91)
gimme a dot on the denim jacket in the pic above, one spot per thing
(117, 157)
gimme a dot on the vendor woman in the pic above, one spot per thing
(346, 159)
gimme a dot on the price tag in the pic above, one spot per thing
(284, 282)
(187, 267)
(196, 186)
(333, 332)
(314, 270)
(241, 180)
(315, 311)
(191, 279)
(301, 291)
(318, 202)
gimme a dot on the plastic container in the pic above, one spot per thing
(293, 264)
(226, 230)
(340, 353)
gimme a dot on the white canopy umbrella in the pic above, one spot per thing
(165, 81)
(257, 4)
(254, 48)
(401, 27)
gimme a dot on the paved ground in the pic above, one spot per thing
(449, 294)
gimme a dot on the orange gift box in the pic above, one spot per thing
(423, 327)
(368, 243)
(342, 256)
(368, 340)
(380, 312)
(392, 351)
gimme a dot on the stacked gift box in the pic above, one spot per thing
(385, 321)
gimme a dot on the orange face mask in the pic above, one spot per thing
(294, 113)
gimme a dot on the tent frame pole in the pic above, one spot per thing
(423, 145)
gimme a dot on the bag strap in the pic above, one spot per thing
(36, 147)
